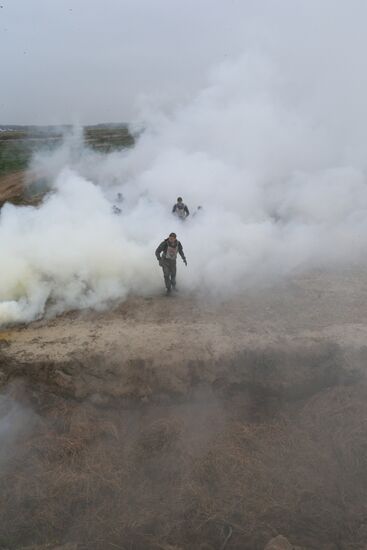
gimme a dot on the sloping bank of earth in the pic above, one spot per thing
(183, 424)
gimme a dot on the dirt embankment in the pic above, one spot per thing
(12, 186)
(183, 424)
(20, 188)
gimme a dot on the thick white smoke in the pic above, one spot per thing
(281, 177)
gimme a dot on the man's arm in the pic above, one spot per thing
(160, 249)
(181, 252)
(187, 211)
(174, 208)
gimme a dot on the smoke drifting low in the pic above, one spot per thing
(281, 178)
(16, 422)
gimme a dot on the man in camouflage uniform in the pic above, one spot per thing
(166, 255)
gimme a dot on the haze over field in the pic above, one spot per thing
(255, 112)
(232, 414)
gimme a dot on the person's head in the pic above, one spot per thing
(179, 199)
(172, 237)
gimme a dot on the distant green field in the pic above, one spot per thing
(108, 139)
(17, 144)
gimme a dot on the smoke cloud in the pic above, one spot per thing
(273, 149)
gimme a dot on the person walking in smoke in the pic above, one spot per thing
(199, 210)
(116, 209)
(166, 255)
(180, 209)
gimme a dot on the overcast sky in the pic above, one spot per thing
(92, 61)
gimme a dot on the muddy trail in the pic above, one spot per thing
(188, 424)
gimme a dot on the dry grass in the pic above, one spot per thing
(153, 477)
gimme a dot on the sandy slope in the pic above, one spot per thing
(173, 336)
(13, 187)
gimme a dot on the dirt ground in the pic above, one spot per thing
(183, 423)
(11, 186)
(14, 188)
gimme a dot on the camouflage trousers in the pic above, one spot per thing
(169, 272)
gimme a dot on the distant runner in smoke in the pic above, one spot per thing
(180, 209)
(166, 254)
(198, 211)
(119, 199)
(116, 210)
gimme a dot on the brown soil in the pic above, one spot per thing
(179, 423)
(11, 185)
(13, 188)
